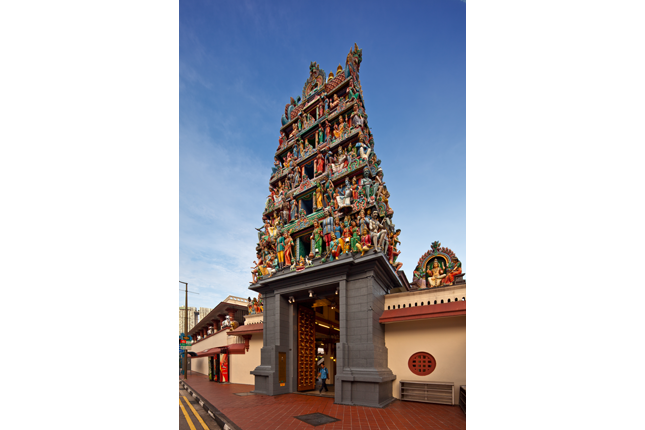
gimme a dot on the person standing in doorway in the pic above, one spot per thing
(323, 378)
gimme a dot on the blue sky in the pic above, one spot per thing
(239, 64)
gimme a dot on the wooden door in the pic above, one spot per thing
(306, 349)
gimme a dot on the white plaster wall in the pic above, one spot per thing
(422, 297)
(444, 338)
(240, 365)
(253, 318)
(200, 365)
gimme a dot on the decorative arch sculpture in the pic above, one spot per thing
(445, 272)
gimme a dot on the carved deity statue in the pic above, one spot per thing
(355, 241)
(363, 149)
(338, 231)
(260, 304)
(419, 278)
(327, 132)
(318, 197)
(227, 322)
(436, 274)
(282, 141)
(341, 103)
(319, 164)
(367, 185)
(335, 246)
(328, 226)
(301, 146)
(316, 239)
(288, 244)
(280, 246)
(352, 93)
(336, 132)
(345, 199)
(357, 118)
(334, 102)
(321, 135)
(392, 251)
(342, 159)
(328, 196)
(378, 234)
(354, 189)
(329, 161)
(453, 272)
(301, 264)
(347, 236)
(284, 213)
(366, 238)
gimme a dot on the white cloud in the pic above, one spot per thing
(221, 201)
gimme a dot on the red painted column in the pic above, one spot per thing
(222, 318)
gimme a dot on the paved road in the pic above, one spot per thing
(191, 415)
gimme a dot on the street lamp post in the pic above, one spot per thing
(185, 331)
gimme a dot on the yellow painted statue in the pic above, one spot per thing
(435, 274)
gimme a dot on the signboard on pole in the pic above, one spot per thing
(185, 341)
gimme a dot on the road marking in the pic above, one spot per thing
(190, 423)
(201, 421)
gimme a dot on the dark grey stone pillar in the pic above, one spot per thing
(363, 377)
(277, 334)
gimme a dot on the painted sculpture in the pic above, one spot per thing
(438, 267)
(227, 322)
(327, 193)
(436, 273)
(254, 306)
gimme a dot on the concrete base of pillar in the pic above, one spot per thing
(266, 375)
(364, 388)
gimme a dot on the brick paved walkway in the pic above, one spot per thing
(260, 412)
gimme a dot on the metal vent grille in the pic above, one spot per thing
(428, 392)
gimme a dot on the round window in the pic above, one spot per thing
(422, 363)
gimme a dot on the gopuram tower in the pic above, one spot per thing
(326, 255)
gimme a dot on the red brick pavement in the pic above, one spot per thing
(260, 412)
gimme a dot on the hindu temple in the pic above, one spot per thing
(326, 271)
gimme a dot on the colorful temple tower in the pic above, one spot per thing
(327, 253)
(327, 196)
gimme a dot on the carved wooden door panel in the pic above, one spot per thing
(306, 349)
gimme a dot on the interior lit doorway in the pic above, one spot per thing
(318, 333)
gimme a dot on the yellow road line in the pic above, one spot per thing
(190, 423)
(201, 421)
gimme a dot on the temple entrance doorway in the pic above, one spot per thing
(318, 333)
(306, 349)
